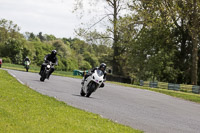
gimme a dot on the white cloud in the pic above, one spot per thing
(46, 16)
(50, 16)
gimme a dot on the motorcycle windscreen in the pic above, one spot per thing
(26, 63)
(100, 73)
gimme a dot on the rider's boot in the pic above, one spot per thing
(82, 83)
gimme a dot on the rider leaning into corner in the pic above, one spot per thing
(102, 67)
(50, 57)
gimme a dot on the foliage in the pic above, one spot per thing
(85, 65)
(6, 60)
(159, 40)
(72, 53)
(13, 49)
(155, 40)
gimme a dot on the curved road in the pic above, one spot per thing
(141, 109)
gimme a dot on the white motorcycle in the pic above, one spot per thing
(27, 63)
(92, 83)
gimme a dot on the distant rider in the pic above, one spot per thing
(102, 67)
(27, 59)
(50, 57)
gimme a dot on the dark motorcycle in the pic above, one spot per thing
(45, 73)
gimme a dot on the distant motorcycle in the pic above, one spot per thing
(92, 83)
(45, 73)
(27, 63)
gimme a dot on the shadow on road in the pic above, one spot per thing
(83, 96)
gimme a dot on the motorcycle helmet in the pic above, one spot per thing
(102, 66)
(53, 52)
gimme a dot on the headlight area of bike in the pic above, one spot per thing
(97, 81)
(48, 66)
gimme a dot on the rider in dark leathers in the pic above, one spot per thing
(50, 57)
(27, 59)
(101, 67)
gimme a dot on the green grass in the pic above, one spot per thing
(23, 110)
(183, 95)
(36, 69)
(20, 67)
(17, 66)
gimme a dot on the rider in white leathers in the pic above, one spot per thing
(102, 67)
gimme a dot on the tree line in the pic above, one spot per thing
(72, 53)
(154, 40)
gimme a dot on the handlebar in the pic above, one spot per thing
(49, 62)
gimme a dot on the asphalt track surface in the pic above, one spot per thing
(141, 109)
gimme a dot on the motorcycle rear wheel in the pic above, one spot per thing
(91, 89)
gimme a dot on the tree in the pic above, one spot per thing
(182, 17)
(8, 29)
(194, 30)
(94, 37)
(49, 37)
(63, 49)
(187, 12)
(91, 59)
(116, 7)
(13, 49)
(11, 41)
(41, 37)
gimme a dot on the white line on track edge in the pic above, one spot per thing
(16, 78)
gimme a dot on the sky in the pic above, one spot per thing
(47, 16)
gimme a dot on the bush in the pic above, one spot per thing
(72, 64)
(6, 60)
(85, 65)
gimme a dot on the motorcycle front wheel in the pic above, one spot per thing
(42, 79)
(91, 89)
(43, 76)
(82, 92)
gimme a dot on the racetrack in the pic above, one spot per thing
(141, 109)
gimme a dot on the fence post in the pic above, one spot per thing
(141, 82)
(196, 89)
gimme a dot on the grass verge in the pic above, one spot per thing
(183, 95)
(36, 69)
(24, 110)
